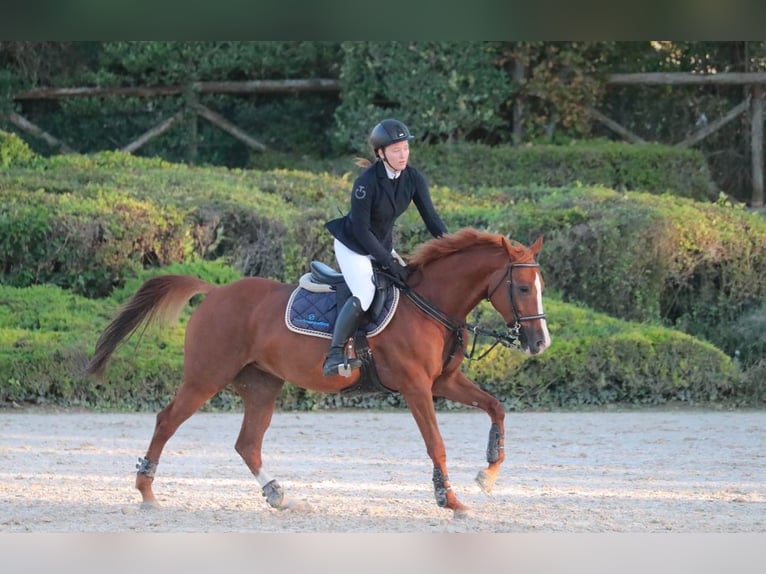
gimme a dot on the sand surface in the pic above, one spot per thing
(361, 471)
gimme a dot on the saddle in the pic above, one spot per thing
(313, 308)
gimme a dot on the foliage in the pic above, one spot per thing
(466, 166)
(696, 265)
(652, 168)
(265, 223)
(669, 114)
(48, 333)
(597, 360)
(446, 91)
(173, 62)
(14, 150)
(554, 83)
(301, 123)
(493, 93)
(86, 244)
(644, 257)
(743, 337)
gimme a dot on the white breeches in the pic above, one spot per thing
(357, 270)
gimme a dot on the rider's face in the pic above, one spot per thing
(397, 155)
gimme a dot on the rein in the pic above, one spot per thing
(507, 340)
(455, 327)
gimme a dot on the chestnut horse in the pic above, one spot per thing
(237, 336)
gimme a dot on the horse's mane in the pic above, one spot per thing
(463, 239)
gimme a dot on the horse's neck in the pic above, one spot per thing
(457, 283)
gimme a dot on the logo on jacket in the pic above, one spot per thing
(360, 192)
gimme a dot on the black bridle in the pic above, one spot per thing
(457, 328)
(515, 329)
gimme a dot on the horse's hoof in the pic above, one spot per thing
(462, 513)
(486, 481)
(150, 505)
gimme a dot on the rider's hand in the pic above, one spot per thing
(399, 271)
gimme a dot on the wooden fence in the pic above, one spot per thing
(752, 104)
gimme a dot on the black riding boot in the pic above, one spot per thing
(345, 327)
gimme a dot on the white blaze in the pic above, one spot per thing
(547, 336)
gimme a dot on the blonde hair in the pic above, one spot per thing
(362, 162)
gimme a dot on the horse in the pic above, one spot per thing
(237, 337)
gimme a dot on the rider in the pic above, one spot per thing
(382, 192)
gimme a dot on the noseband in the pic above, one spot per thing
(515, 327)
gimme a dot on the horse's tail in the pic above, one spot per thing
(158, 300)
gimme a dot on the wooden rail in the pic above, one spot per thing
(752, 104)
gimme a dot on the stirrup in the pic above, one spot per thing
(343, 365)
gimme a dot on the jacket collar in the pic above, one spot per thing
(384, 172)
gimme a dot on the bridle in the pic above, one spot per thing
(515, 328)
(508, 340)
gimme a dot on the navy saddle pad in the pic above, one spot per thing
(314, 313)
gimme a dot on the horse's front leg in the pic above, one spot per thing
(459, 388)
(421, 405)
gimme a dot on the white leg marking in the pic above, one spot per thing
(263, 478)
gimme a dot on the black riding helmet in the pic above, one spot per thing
(389, 132)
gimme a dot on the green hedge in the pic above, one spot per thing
(87, 244)
(267, 223)
(597, 360)
(92, 224)
(691, 265)
(47, 335)
(14, 150)
(695, 266)
(468, 167)
(652, 168)
(638, 256)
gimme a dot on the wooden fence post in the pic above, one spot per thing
(190, 100)
(756, 145)
(519, 72)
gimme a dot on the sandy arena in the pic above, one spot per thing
(359, 471)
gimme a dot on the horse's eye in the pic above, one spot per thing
(524, 289)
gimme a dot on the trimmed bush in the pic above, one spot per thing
(468, 167)
(597, 360)
(14, 150)
(47, 335)
(637, 256)
(651, 168)
(88, 245)
(93, 224)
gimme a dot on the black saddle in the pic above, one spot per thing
(324, 274)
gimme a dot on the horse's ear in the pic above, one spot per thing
(536, 246)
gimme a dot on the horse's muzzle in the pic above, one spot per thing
(534, 340)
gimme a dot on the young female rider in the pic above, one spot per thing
(379, 196)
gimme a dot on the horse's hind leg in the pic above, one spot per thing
(188, 400)
(259, 392)
(459, 388)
